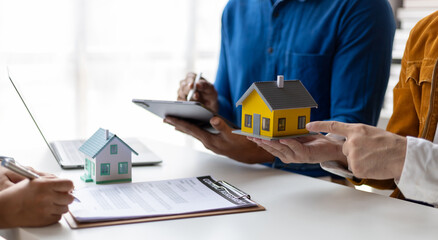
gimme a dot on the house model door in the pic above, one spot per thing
(256, 127)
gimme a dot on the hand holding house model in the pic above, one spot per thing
(276, 109)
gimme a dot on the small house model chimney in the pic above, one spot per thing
(280, 81)
(106, 134)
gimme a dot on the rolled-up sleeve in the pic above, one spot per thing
(419, 178)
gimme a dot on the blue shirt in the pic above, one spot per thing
(339, 49)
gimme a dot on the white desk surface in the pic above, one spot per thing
(297, 207)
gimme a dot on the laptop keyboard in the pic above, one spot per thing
(69, 152)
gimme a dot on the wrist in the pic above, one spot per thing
(8, 208)
(399, 161)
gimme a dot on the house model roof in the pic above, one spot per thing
(94, 145)
(293, 94)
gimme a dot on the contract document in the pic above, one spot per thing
(156, 198)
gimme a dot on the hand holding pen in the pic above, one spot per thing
(195, 88)
(38, 201)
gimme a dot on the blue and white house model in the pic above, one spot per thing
(107, 158)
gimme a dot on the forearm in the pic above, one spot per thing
(8, 209)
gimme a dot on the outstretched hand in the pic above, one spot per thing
(371, 152)
(307, 149)
(225, 142)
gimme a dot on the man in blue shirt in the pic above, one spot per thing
(339, 49)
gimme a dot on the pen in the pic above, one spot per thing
(12, 165)
(193, 90)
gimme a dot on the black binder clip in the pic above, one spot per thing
(232, 190)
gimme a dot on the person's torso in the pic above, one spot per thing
(297, 39)
(419, 82)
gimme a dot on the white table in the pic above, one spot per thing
(297, 207)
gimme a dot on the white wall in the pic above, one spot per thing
(79, 63)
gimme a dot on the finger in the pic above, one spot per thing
(63, 198)
(292, 144)
(345, 151)
(185, 86)
(339, 128)
(220, 125)
(47, 175)
(271, 148)
(49, 219)
(58, 209)
(306, 139)
(14, 177)
(42, 173)
(190, 80)
(183, 90)
(6, 184)
(289, 147)
(60, 185)
(182, 96)
(197, 94)
(205, 86)
(191, 75)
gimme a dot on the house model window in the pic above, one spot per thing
(265, 124)
(301, 122)
(282, 124)
(123, 167)
(248, 120)
(105, 169)
(113, 149)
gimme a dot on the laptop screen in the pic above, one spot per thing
(30, 114)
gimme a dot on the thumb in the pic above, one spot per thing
(219, 124)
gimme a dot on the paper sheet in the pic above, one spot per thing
(158, 198)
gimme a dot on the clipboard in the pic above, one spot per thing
(222, 186)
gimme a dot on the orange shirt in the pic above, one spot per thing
(416, 94)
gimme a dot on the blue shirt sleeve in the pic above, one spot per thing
(221, 83)
(361, 64)
(360, 70)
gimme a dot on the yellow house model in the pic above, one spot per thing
(275, 109)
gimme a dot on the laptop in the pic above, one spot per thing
(69, 157)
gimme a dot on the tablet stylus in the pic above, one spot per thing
(193, 90)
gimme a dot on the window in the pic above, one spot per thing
(113, 149)
(123, 167)
(282, 124)
(54, 37)
(248, 121)
(265, 124)
(301, 122)
(104, 169)
(87, 167)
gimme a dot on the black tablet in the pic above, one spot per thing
(193, 112)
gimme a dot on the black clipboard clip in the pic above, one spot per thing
(232, 189)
